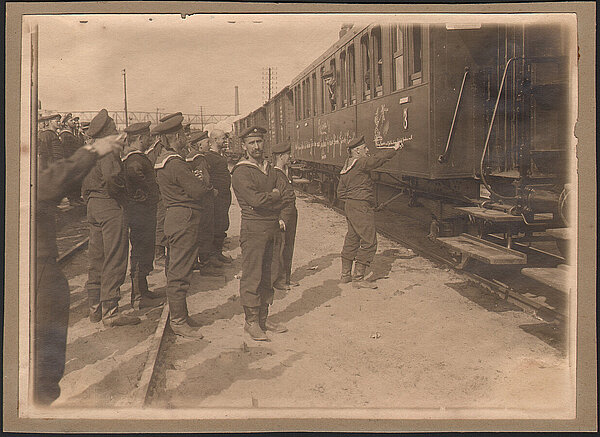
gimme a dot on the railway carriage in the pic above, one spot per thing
(482, 112)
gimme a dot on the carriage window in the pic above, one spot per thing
(366, 69)
(314, 94)
(306, 98)
(333, 84)
(397, 57)
(416, 55)
(322, 86)
(351, 75)
(377, 60)
(343, 78)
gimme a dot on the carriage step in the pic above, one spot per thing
(559, 278)
(491, 215)
(476, 248)
(561, 233)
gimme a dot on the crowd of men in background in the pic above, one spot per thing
(165, 193)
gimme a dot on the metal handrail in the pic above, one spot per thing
(489, 133)
(444, 156)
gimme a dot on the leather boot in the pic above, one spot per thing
(146, 293)
(267, 325)
(358, 280)
(346, 271)
(281, 285)
(136, 292)
(95, 306)
(111, 316)
(178, 315)
(252, 326)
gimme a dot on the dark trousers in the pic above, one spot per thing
(50, 329)
(360, 243)
(107, 251)
(206, 228)
(261, 244)
(182, 225)
(141, 220)
(160, 223)
(221, 224)
(287, 250)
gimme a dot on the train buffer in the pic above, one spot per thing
(471, 247)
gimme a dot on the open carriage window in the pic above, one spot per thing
(366, 67)
(343, 92)
(351, 75)
(377, 60)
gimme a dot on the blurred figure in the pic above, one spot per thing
(49, 146)
(70, 143)
(51, 314)
(105, 194)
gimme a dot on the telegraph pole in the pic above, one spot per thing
(201, 119)
(125, 95)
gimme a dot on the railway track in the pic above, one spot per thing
(493, 285)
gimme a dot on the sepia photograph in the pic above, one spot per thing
(230, 213)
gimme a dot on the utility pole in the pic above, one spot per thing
(201, 119)
(269, 85)
(125, 95)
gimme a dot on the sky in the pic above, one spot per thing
(172, 63)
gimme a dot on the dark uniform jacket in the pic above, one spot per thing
(355, 178)
(197, 162)
(288, 196)
(253, 187)
(106, 180)
(219, 172)
(49, 148)
(140, 178)
(69, 142)
(178, 184)
(53, 184)
(153, 152)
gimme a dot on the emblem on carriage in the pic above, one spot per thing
(381, 124)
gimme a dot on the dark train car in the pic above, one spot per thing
(437, 89)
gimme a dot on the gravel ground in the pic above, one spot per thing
(427, 338)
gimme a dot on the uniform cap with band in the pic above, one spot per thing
(253, 131)
(281, 148)
(49, 117)
(198, 136)
(138, 128)
(101, 125)
(171, 124)
(167, 117)
(356, 142)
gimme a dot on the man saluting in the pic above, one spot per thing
(254, 184)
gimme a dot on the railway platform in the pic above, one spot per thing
(428, 337)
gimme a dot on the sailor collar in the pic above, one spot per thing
(132, 152)
(348, 167)
(196, 155)
(152, 147)
(284, 172)
(162, 163)
(63, 131)
(264, 169)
